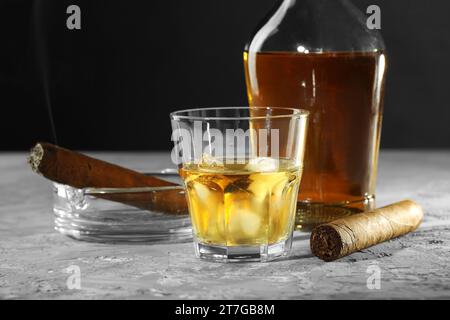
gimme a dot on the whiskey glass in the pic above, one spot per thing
(241, 183)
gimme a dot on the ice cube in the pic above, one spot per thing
(206, 207)
(262, 164)
(264, 184)
(209, 162)
(244, 221)
(250, 223)
(280, 185)
(206, 189)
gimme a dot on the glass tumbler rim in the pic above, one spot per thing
(294, 113)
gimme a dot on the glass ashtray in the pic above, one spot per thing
(82, 214)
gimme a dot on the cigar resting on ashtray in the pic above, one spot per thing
(80, 171)
(342, 237)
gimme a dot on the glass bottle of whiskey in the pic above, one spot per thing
(320, 55)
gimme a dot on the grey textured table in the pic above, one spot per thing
(34, 258)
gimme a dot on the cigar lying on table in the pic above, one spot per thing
(80, 171)
(342, 237)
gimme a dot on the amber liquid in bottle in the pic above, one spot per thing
(343, 92)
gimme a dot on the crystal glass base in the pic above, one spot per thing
(262, 253)
(309, 214)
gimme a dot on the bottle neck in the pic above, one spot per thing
(316, 4)
(315, 26)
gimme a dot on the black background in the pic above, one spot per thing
(112, 84)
